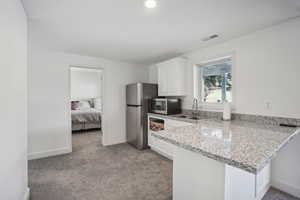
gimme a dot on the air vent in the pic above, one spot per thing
(210, 37)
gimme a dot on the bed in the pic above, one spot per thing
(85, 116)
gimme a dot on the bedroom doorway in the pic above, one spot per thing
(86, 86)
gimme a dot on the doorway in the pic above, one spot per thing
(86, 97)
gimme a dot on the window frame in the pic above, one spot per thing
(199, 82)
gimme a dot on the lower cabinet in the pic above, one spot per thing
(196, 177)
(164, 148)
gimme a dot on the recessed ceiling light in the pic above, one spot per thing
(150, 4)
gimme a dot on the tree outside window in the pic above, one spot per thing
(217, 82)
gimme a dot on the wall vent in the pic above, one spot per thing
(210, 37)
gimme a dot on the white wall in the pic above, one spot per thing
(285, 168)
(267, 69)
(85, 83)
(13, 103)
(49, 95)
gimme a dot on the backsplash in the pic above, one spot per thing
(251, 118)
(209, 114)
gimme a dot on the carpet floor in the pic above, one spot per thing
(95, 172)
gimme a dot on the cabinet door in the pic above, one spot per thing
(171, 77)
(263, 179)
(162, 79)
(176, 79)
(164, 148)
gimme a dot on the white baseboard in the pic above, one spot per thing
(49, 153)
(104, 143)
(161, 152)
(288, 188)
(27, 194)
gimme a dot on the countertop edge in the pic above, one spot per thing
(209, 155)
(248, 168)
(274, 153)
(192, 121)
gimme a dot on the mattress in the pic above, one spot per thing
(90, 115)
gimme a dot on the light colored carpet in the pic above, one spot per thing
(274, 194)
(94, 172)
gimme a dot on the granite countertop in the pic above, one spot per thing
(176, 117)
(245, 145)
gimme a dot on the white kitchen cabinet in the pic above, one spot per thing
(162, 80)
(198, 177)
(164, 148)
(171, 77)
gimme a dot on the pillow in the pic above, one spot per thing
(83, 105)
(91, 102)
(98, 104)
(74, 105)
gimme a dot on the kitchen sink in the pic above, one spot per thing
(188, 117)
(195, 118)
(182, 116)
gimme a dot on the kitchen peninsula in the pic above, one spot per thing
(218, 160)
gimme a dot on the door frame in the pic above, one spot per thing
(96, 68)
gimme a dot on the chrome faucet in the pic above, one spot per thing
(195, 107)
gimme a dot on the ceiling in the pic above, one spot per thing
(127, 31)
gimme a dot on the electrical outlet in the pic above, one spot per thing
(268, 105)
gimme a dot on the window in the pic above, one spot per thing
(216, 81)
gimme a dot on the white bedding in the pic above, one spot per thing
(87, 115)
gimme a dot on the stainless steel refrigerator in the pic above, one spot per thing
(138, 101)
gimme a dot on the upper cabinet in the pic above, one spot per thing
(171, 77)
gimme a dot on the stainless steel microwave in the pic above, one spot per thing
(166, 106)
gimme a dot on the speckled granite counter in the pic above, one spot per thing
(175, 117)
(245, 145)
